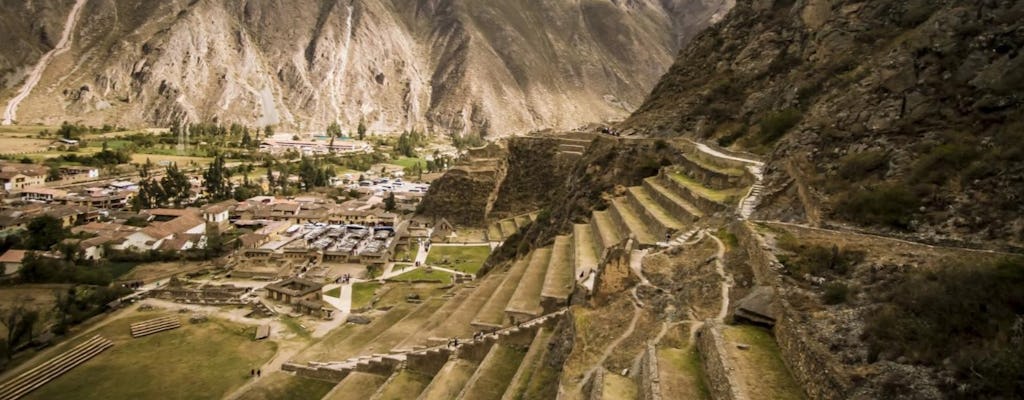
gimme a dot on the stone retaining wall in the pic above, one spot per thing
(427, 363)
(323, 374)
(648, 381)
(711, 346)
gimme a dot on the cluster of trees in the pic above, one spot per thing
(408, 141)
(314, 173)
(103, 158)
(173, 188)
(19, 322)
(74, 131)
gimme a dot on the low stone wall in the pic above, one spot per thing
(761, 261)
(385, 366)
(647, 379)
(811, 364)
(318, 373)
(711, 346)
(596, 389)
(428, 362)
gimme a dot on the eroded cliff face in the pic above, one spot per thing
(898, 115)
(443, 65)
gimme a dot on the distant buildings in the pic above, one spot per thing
(279, 145)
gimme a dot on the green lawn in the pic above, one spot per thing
(362, 294)
(294, 326)
(419, 274)
(407, 253)
(466, 259)
(408, 162)
(718, 196)
(336, 292)
(196, 361)
(762, 360)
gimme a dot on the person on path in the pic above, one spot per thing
(258, 373)
(252, 372)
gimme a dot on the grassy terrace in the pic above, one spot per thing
(281, 385)
(606, 230)
(633, 222)
(559, 278)
(731, 171)
(457, 323)
(350, 339)
(407, 253)
(718, 196)
(656, 187)
(362, 293)
(356, 386)
(406, 385)
(529, 365)
(584, 248)
(760, 368)
(618, 387)
(493, 312)
(421, 274)
(663, 216)
(508, 227)
(449, 380)
(408, 326)
(526, 298)
(495, 372)
(494, 232)
(199, 361)
(408, 162)
(681, 373)
(466, 259)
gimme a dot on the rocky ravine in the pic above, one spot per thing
(445, 65)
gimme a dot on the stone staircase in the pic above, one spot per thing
(156, 325)
(51, 369)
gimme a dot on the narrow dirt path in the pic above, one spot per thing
(10, 113)
(727, 281)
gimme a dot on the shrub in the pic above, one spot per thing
(886, 205)
(820, 260)
(835, 293)
(944, 162)
(966, 317)
(773, 126)
(857, 166)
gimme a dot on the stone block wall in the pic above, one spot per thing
(647, 379)
(711, 346)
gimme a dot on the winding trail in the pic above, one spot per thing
(10, 113)
(727, 281)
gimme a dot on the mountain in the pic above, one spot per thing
(444, 65)
(901, 116)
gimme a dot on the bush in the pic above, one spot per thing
(887, 205)
(774, 126)
(858, 166)
(835, 293)
(944, 162)
(819, 260)
(966, 317)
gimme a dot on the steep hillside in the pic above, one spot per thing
(445, 65)
(898, 115)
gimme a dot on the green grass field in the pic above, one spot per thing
(408, 162)
(466, 259)
(421, 274)
(362, 294)
(336, 292)
(407, 253)
(196, 361)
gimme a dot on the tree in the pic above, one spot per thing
(217, 180)
(268, 131)
(19, 322)
(175, 185)
(334, 130)
(361, 129)
(389, 202)
(214, 241)
(44, 231)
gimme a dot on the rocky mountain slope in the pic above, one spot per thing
(900, 115)
(445, 65)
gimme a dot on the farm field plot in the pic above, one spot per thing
(466, 259)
